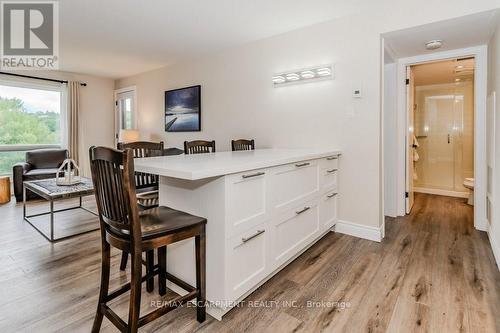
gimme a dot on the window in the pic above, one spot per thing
(30, 118)
(127, 114)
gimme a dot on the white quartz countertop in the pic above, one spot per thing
(200, 166)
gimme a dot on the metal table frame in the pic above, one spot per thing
(51, 198)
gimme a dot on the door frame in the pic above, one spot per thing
(480, 53)
(409, 169)
(132, 89)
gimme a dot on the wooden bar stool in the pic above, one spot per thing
(125, 228)
(242, 144)
(146, 186)
(199, 147)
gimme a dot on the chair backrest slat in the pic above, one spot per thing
(199, 147)
(112, 175)
(242, 144)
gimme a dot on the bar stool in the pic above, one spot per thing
(123, 227)
(146, 186)
(199, 147)
(242, 144)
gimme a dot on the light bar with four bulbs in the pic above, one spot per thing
(304, 75)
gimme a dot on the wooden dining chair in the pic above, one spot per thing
(147, 191)
(242, 144)
(124, 227)
(199, 147)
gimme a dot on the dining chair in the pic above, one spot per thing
(242, 144)
(124, 227)
(199, 147)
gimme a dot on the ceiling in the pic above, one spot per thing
(443, 72)
(466, 31)
(118, 38)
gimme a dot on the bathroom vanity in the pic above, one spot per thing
(264, 208)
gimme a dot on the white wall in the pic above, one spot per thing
(390, 139)
(96, 118)
(494, 86)
(238, 99)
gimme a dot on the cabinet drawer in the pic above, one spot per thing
(246, 256)
(330, 162)
(247, 201)
(328, 210)
(294, 231)
(328, 178)
(292, 183)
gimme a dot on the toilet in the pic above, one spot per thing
(469, 184)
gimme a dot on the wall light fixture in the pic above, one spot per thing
(324, 72)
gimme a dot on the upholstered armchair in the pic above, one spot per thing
(40, 164)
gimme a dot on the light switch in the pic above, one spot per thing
(356, 93)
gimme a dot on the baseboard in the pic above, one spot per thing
(358, 230)
(495, 245)
(437, 191)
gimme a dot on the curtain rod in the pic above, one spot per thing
(38, 78)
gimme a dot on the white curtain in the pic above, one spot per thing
(73, 109)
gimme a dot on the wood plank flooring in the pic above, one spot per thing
(433, 272)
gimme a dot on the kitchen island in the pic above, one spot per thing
(264, 208)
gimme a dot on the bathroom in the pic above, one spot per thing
(443, 147)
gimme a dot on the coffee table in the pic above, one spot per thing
(50, 191)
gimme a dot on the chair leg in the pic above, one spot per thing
(103, 293)
(135, 293)
(150, 262)
(123, 263)
(200, 276)
(162, 277)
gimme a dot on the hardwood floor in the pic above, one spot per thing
(433, 272)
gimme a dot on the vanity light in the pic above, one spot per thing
(279, 79)
(324, 72)
(307, 74)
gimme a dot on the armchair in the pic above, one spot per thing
(39, 164)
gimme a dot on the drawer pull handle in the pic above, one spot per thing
(331, 158)
(332, 170)
(303, 210)
(246, 239)
(331, 195)
(253, 175)
(302, 164)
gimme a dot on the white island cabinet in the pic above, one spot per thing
(264, 208)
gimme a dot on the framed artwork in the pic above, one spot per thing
(183, 109)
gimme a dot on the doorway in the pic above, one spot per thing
(440, 149)
(125, 110)
(399, 158)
